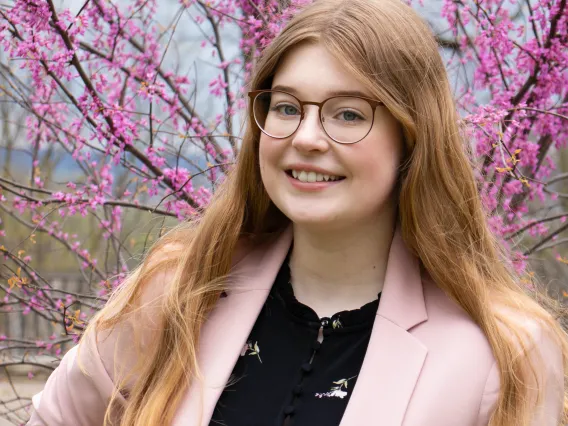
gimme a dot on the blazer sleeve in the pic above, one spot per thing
(80, 397)
(546, 355)
(71, 397)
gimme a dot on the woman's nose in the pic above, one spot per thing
(310, 136)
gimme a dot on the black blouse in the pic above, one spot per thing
(285, 376)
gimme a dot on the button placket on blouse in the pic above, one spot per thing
(323, 331)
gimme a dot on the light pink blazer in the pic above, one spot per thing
(427, 363)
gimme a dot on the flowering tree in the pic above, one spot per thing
(107, 138)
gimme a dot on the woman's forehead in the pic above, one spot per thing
(309, 70)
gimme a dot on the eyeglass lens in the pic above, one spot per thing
(345, 119)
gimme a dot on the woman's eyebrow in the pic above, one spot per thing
(330, 93)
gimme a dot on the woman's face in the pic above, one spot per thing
(369, 167)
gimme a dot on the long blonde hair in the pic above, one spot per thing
(392, 51)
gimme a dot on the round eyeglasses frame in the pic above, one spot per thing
(254, 93)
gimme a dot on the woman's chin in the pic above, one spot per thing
(314, 220)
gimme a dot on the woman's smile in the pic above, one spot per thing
(311, 181)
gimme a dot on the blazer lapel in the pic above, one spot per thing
(394, 357)
(227, 328)
(392, 363)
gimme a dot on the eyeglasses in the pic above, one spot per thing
(345, 119)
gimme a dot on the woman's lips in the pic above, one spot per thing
(311, 186)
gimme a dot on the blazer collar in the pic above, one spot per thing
(402, 300)
(392, 350)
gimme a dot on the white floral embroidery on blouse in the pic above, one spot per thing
(337, 391)
(254, 349)
(336, 323)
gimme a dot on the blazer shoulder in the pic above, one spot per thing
(79, 389)
(148, 312)
(544, 352)
(450, 331)
(443, 310)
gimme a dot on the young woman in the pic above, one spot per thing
(344, 273)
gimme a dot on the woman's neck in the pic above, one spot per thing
(340, 270)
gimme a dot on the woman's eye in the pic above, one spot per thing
(286, 109)
(349, 116)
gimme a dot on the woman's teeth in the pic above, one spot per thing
(304, 176)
